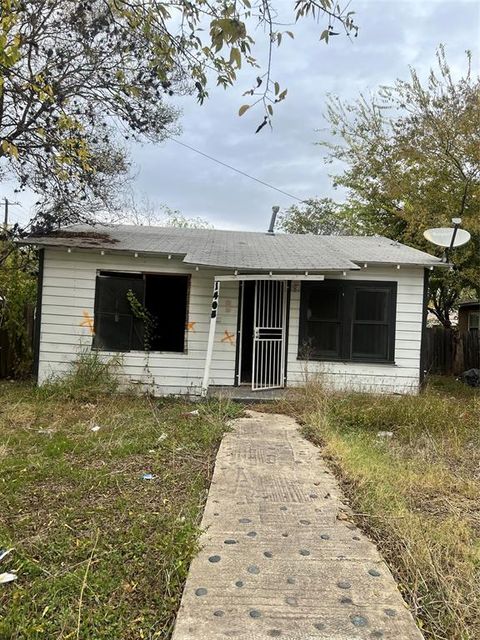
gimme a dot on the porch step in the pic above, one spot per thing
(244, 393)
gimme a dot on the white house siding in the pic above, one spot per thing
(401, 377)
(68, 303)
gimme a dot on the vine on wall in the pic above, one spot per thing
(141, 312)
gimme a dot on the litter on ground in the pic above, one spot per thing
(4, 552)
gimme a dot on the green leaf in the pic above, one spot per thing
(243, 108)
(277, 88)
(236, 57)
(270, 109)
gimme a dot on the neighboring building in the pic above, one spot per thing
(285, 308)
(469, 316)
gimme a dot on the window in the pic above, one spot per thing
(342, 320)
(323, 318)
(474, 320)
(140, 312)
(370, 324)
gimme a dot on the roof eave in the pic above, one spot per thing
(107, 249)
(394, 263)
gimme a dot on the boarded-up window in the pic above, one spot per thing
(160, 324)
(341, 320)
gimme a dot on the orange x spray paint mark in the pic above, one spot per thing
(228, 337)
(191, 326)
(87, 322)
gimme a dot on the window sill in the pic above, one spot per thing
(154, 353)
(342, 361)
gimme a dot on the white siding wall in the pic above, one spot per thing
(69, 292)
(401, 377)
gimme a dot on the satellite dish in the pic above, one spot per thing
(443, 237)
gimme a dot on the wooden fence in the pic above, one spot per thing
(450, 352)
(8, 353)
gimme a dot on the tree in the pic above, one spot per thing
(320, 216)
(93, 196)
(177, 219)
(145, 213)
(75, 72)
(69, 73)
(18, 285)
(412, 155)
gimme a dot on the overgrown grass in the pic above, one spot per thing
(89, 376)
(100, 552)
(416, 492)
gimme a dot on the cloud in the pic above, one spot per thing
(393, 35)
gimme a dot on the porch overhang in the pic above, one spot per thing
(269, 276)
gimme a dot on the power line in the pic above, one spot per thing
(229, 166)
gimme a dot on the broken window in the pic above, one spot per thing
(342, 320)
(140, 312)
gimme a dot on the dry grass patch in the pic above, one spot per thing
(417, 492)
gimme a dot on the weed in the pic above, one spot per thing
(90, 375)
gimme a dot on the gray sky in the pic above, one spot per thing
(393, 35)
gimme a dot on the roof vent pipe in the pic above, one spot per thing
(271, 228)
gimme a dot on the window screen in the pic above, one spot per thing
(323, 318)
(370, 332)
(160, 325)
(370, 341)
(342, 320)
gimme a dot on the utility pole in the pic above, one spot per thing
(5, 221)
(7, 204)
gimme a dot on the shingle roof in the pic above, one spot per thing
(243, 250)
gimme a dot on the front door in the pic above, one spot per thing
(269, 324)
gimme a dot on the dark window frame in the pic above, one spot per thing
(141, 275)
(346, 319)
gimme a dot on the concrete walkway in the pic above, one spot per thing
(280, 556)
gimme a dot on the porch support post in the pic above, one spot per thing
(211, 337)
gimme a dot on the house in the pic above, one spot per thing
(193, 310)
(469, 316)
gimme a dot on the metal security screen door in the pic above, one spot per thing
(269, 320)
